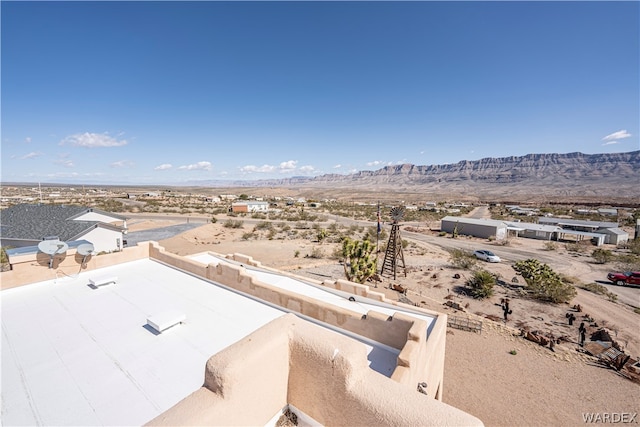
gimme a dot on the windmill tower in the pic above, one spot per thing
(394, 256)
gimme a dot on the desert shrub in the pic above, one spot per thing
(600, 290)
(316, 252)
(321, 235)
(481, 284)
(550, 246)
(634, 246)
(284, 227)
(248, 236)
(628, 262)
(543, 283)
(462, 259)
(258, 215)
(4, 260)
(296, 253)
(578, 247)
(602, 256)
(213, 219)
(230, 223)
(265, 225)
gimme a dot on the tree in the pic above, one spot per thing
(462, 259)
(359, 264)
(544, 283)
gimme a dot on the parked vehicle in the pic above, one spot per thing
(626, 278)
(487, 256)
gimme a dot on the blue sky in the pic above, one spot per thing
(171, 92)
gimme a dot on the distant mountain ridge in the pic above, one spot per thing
(552, 174)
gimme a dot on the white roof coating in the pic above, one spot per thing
(75, 355)
(331, 296)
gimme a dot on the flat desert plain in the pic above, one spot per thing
(496, 375)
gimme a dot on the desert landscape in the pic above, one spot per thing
(496, 374)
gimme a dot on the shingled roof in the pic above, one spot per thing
(35, 222)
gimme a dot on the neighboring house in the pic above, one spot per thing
(483, 228)
(577, 224)
(599, 231)
(250, 206)
(608, 212)
(534, 231)
(615, 236)
(28, 224)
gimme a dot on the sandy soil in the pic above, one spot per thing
(535, 386)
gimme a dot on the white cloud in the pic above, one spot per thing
(611, 142)
(32, 155)
(27, 140)
(92, 140)
(337, 166)
(284, 167)
(206, 166)
(122, 164)
(617, 135)
(374, 163)
(259, 169)
(163, 167)
(352, 171)
(307, 169)
(67, 163)
(288, 166)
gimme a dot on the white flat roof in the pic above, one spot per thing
(74, 355)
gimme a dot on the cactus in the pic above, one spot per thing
(359, 264)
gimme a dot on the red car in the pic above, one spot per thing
(626, 278)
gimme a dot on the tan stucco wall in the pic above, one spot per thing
(420, 359)
(292, 361)
(32, 268)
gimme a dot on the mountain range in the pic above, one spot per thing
(607, 175)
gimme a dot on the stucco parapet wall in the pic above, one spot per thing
(34, 267)
(292, 361)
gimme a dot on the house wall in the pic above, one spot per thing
(535, 234)
(299, 363)
(614, 238)
(476, 230)
(250, 207)
(103, 239)
(239, 208)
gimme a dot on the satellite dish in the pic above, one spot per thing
(52, 248)
(85, 249)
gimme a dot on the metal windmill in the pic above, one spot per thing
(394, 255)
